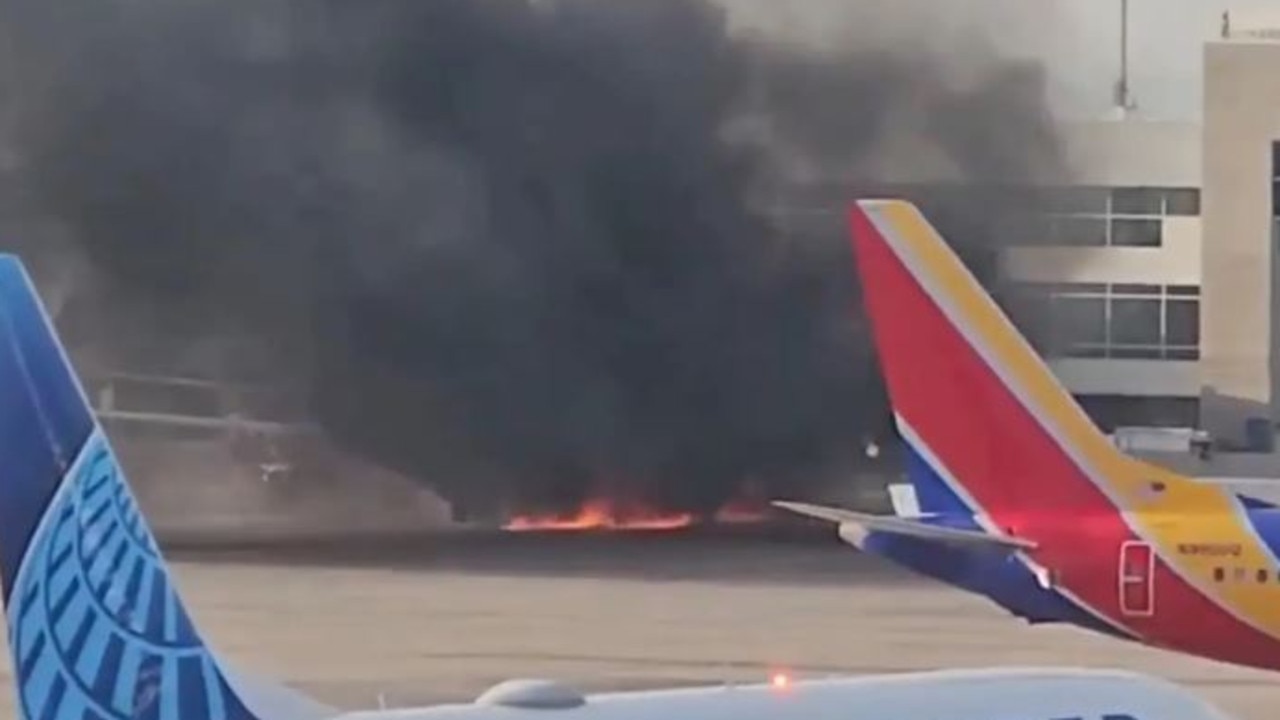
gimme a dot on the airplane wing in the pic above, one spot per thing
(901, 526)
(269, 698)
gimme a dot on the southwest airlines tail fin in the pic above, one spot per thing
(989, 429)
(96, 628)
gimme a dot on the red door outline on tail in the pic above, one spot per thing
(1137, 579)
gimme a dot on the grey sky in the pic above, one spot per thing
(1077, 39)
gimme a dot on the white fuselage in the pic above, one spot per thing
(1008, 694)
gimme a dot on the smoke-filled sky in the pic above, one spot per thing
(513, 249)
(1078, 41)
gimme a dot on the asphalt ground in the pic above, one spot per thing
(413, 620)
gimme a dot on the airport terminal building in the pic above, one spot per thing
(1162, 272)
(1151, 280)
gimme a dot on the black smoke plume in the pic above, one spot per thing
(516, 249)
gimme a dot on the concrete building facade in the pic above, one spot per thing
(1162, 272)
(1121, 271)
(1238, 371)
(1152, 279)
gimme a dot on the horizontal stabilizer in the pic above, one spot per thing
(901, 526)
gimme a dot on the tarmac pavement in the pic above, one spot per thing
(443, 620)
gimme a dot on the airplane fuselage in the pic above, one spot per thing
(1191, 590)
(969, 695)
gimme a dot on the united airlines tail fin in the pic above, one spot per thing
(96, 628)
(990, 431)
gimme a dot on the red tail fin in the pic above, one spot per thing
(987, 419)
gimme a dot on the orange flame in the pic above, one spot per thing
(606, 514)
(602, 514)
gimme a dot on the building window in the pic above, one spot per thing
(1119, 216)
(1182, 202)
(1123, 320)
(1080, 200)
(1077, 230)
(1110, 412)
(1137, 201)
(1182, 322)
(1135, 321)
(1079, 322)
(1136, 232)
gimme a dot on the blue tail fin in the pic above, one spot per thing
(96, 628)
(933, 494)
